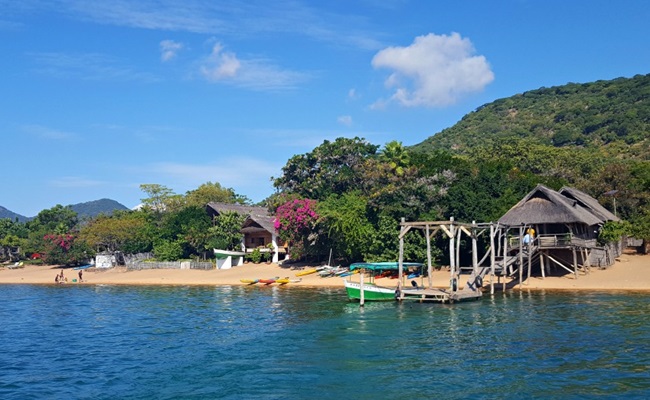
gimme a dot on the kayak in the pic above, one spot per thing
(307, 272)
(283, 281)
(356, 271)
(268, 281)
(249, 281)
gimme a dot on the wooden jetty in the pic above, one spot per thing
(471, 291)
(436, 295)
(545, 229)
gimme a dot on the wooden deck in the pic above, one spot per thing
(438, 295)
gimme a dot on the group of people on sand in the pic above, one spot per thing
(60, 278)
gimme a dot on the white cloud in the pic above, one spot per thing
(169, 49)
(258, 74)
(345, 120)
(353, 95)
(220, 64)
(434, 71)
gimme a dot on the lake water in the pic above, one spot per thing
(116, 342)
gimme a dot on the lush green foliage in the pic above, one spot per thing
(585, 115)
(226, 234)
(333, 167)
(349, 195)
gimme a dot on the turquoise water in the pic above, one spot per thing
(114, 342)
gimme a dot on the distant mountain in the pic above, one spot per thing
(94, 208)
(4, 213)
(88, 209)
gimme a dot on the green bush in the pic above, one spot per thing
(256, 256)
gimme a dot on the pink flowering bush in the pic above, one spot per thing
(62, 249)
(294, 222)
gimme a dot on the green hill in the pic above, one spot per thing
(96, 207)
(83, 210)
(4, 213)
(613, 114)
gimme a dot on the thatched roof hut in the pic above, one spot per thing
(565, 222)
(546, 206)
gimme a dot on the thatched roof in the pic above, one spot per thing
(546, 206)
(255, 216)
(590, 203)
(258, 223)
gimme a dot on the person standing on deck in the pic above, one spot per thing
(527, 240)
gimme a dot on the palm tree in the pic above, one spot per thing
(395, 154)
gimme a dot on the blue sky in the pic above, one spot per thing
(98, 97)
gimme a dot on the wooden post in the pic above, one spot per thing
(361, 294)
(459, 233)
(401, 255)
(474, 251)
(521, 257)
(430, 271)
(452, 252)
(575, 262)
(541, 264)
(505, 255)
(530, 246)
(492, 258)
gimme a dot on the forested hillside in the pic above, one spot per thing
(613, 113)
(593, 136)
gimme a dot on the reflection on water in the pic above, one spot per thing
(280, 342)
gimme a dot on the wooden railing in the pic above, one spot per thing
(560, 240)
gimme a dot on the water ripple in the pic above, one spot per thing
(106, 342)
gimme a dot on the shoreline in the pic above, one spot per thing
(630, 273)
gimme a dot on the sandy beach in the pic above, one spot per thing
(631, 272)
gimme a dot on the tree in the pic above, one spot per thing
(58, 219)
(187, 226)
(64, 249)
(295, 222)
(213, 192)
(332, 167)
(123, 231)
(345, 220)
(226, 233)
(396, 156)
(161, 198)
(168, 250)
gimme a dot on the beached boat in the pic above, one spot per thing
(307, 272)
(328, 271)
(371, 291)
(268, 281)
(249, 281)
(283, 281)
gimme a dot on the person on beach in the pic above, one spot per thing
(81, 272)
(56, 278)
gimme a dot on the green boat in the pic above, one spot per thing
(371, 291)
